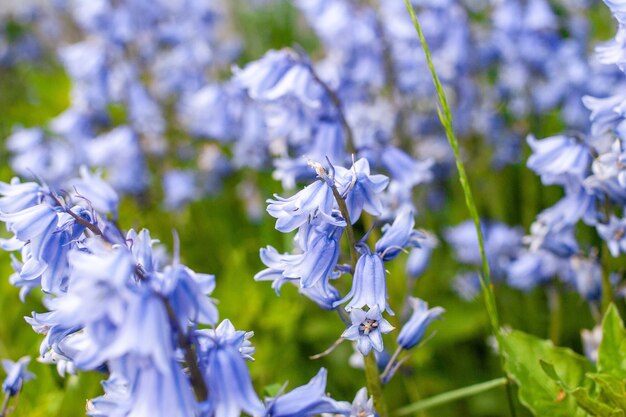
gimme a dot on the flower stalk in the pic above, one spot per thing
(372, 375)
(445, 116)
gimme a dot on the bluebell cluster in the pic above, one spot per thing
(351, 133)
(587, 165)
(327, 210)
(116, 303)
(141, 71)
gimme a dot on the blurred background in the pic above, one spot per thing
(222, 230)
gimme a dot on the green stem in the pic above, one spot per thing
(372, 376)
(343, 209)
(555, 306)
(5, 405)
(450, 396)
(445, 116)
(607, 288)
(374, 386)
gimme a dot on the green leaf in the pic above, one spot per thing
(581, 395)
(612, 388)
(545, 396)
(593, 406)
(612, 350)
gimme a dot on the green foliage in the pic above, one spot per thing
(542, 395)
(571, 387)
(612, 351)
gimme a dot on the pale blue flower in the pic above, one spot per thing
(17, 374)
(293, 212)
(367, 329)
(361, 189)
(414, 329)
(362, 406)
(398, 235)
(226, 374)
(559, 159)
(419, 257)
(614, 233)
(97, 192)
(369, 284)
(308, 400)
(280, 74)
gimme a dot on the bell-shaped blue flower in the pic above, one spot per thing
(362, 406)
(367, 329)
(360, 189)
(307, 400)
(614, 234)
(294, 211)
(226, 374)
(17, 374)
(369, 284)
(559, 159)
(280, 74)
(97, 192)
(398, 235)
(413, 330)
(320, 243)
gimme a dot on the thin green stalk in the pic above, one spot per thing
(5, 405)
(556, 312)
(450, 396)
(607, 288)
(372, 375)
(445, 116)
(343, 209)
(374, 386)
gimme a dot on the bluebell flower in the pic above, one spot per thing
(614, 233)
(32, 222)
(276, 264)
(414, 329)
(367, 329)
(360, 189)
(586, 277)
(188, 294)
(179, 187)
(533, 268)
(97, 192)
(126, 171)
(398, 235)
(419, 257)
(17, 196)
(293, 212)
(226, 374)
(467, 285)
(322, 293)
(17, 374)
(369, 284)
(559, 159)
(404, 169)
(362, 406)
(280, 74)
(502, 243)
(145, 391)
(307, 400)
(591, 342)
(319, 242)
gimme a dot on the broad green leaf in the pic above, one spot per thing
(612, 388)
(539, 392)
(612, 351)
(594, 406)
